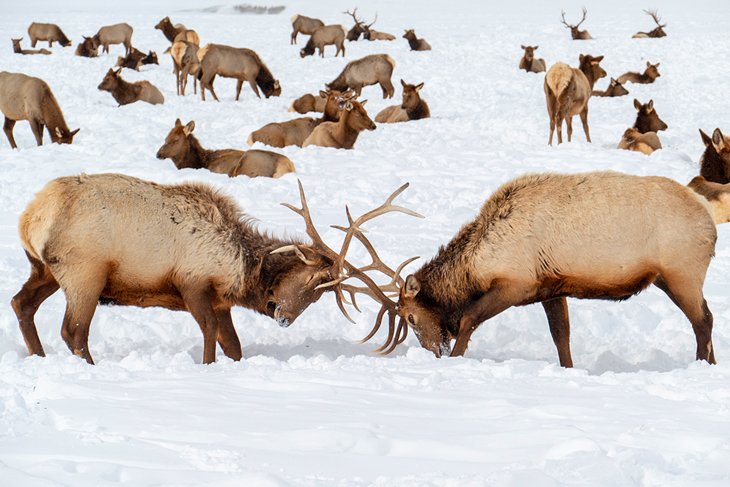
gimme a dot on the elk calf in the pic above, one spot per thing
(369, 70)
(87, 48)
(240, 63)
(18, 50)
(115, 34)
(27, 98)
(576, 33)
(136, 58)
(328, 35)
(186, 152)
(647, 119)
(567, 91)
(412, 108)
(125, 93)
(416, 43)
(657, 32)
(305, 25)
(715, 161)
(614, 89)
(343, 133)
(648, 76)
(47, 32)
(528, 61)
(634, 140)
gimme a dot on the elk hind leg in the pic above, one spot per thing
(8, 129)
(569, 125)
(557, 314)
(584, 121)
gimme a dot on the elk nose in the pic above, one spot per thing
(283, 321)
(159, 154)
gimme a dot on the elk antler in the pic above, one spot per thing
(583, 19)
(654, 15)
(371, 24)
(562, 15)
(354, 16)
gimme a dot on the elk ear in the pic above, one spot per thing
(650, 106)
(403, 83)
(581, 58)
(657, 65)
(74, 132)
(706, 139)
(118, 72)
(178, 123)
(598, 59)
(59, 134)
(348, 106)
(322, 94)
(718, 141)
(637, 104)
(523, 47)
(535, 48)
(362, 103)
(188, 129)
(419, 86)
(648, 64)
(412, 287)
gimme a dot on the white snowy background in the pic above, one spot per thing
(309, 406)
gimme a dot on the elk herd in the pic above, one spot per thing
(188, 247)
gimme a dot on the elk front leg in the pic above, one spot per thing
(198, 302)
(227, 336)
(557, 314)
(8, 129)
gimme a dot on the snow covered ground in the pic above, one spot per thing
(309, 406)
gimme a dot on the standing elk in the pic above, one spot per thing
(27, 98)
(369, 70)
(416, 43)
(634, 140)
(528, 61)
(576, 33)
(87, 48)
(715, 161)
(328, 35)
(412, 108)
(240, 63)
(305, 25)
(186, 152)
(136, 58)
(115, 34)
(647, 119)
(47, 32)
(343, 133)
(648, 76)
(186, 63)
(19, 50)
(177, 32)
(567, 91)
(97, 237)
(125, 93)
(657, 32)
(295, 132)
(615, 88)
(577, 248)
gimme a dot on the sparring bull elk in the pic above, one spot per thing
(576, 33)
(657, 32)
(97, 237)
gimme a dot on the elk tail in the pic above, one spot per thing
(250, 140)
(294, 18)
(390, 60)
(715, 196)
(558, 78)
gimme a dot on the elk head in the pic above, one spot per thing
(357, 29)
(331, 107)
(151, 58)
(659, 30)
(616, 89)
(719, 142)
(164, 24)
(366, 28)
(273, 90)
(574, 31)
(409, 34)
(16, 43)
(63, 136)
(358, 117)
(411, 98)
(647, 119)
(176, 143)
(651, 70)
(529, 52)
(111, 80)
(591, 67)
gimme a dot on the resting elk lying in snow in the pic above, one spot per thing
(369, 70)
(614, 89)
(528, 61)
(185, 151)
(136, 58)
(328, 35)
(87, 48)
(295, 132)
(240, 63)
(647, 119)
(592, 238)
(27, 98)
(370, 34)
(715, 161)
(213, 258)
(19, 50)
(47, 32)
(567, 91)
(125, 93)
(575, 33)
(309, 103)
(115, 34)
(634, 140)
(305, 25)
(648, 76)
(412, 108)
(343, 133)
(657, 32)
(416, 43)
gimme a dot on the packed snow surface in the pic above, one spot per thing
(309, 405)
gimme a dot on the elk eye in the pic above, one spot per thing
(411, 320)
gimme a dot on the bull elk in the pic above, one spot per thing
(414, 42)
(576, 33)
(577, 249)
(657, 32)
(357, 29)
(369, 70)
(634, 140)
(115, 34)
(615, 88)
(136, 58)
(412, 108)
(47, 32)
(528, 61)
(239, 63)
(370, 34)
(87, 48)
(186, 152)
(328, 35)
(27, 98)
(343, 133)
(97, 238)
(715, 160)
(647, 119)
(125, 93)
(305, 25)
(295, 132)
(19, 50)
(650, 74)
(567, 91)
(186, 63)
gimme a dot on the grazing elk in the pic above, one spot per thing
(136, 58)
(87, 48)
(186, 152)
(328, 35)
(185, 61)
(416, 43)
(27, 98)
(648, 76)
(343, 133)
(97, 237)
(576, 33)
(115, 34)
(309, 103)
(125, 93)
(528, 61)
(647, 119)
(357, 30)
(615, 88)
(634, 140)
(369, 70)
(240, 63)
(47, 32)
(567, 91)
(577, 249)
(657, 32)
(412, 108)
(177, 32)
(19, 50)
(295, 132)
(715, 161)
(305, 25)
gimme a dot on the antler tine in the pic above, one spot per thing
(376, 19)
(562, 14)
(585, 12)
(306, 215)
(398, 338)
(655, 15)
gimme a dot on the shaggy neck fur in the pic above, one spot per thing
(713, 167)
(412, 41)
(587, 68)
(123, 92)
(52, 115)
(344, 133)
(419, 111)
(194, 155)
(169, 31)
